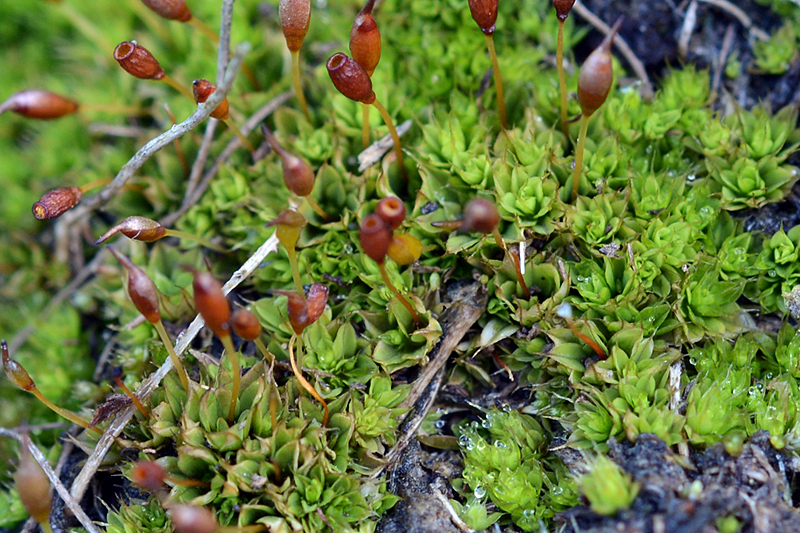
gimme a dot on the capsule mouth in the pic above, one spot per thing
(336, 61)
(124, 50)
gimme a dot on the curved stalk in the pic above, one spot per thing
(498, 82)
(295, 270)
(316, 207)
(298, 86)
(236, 131)
(169, 80)
(265, 351)
(406, 303)
(514, 259)
(398, 149)
(203, 28)
(365, 126)
(576, 180)
(236, 374)
(303, 382)
(188, 236)
(135, 399)
(562, 79)
(69, 415)
(176, 362)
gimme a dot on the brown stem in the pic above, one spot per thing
(69, 415)
(303, 382)
(498, 82)
(406, 303)
(124, 388)
(588, 340)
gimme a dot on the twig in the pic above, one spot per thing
(719, 67)
(37, 454)
(150, 384)
(200, 160)
(741, 16)
(689, 23)
(622, 46)
(373, 153)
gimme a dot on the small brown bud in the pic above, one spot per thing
(289, 218)
(170, 9)
(35, 103)
(350, 78)
(246, 324)
(297, 174)
(141, 289)
(597, 75)
(136, 228)
(295, 18)
(563, 7)
(202, 89)
(33, 485)
(375, 237)
(138, 61)
(191, 519)
(57, 202)
(392, 211)
(484, 13)
(365, 39)
(298, 310)
(480, 215)
(404, 249)
(148, 475)
(211, 303)
(316, 301)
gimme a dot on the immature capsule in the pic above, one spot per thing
(202, 89)
(480, 215)
(57, 202)
(375, 237)
(136, 228)
(141, 289)
(404, 249)
(563, 7)
(484, 13)
(365, 39)
(211, 303)
(170, 9)
(192, 519)
(297, 174)
(138, 61)
(39, 104)
(148, 475)
(33, 485)
(350, 78)
(295, 18)
(246, 325)
(597, 75)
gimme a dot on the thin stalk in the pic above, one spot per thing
(303, 382)
(298, 86)
(588, 340)
(176, 362)
(46, 527)
(85, 26)
(317, 209)
(406, 303)
(562, 79)
(100, 182)
(236, 131)
(498, 82)
(110, 108)
(188, 236)
(514, 259)
(169, 80)
(265, 351)
(203, 28)
(69, 415)
(365, 126)
(236, 372)
(576, 179)
(295, 269)
(398, 149)
(124, 388)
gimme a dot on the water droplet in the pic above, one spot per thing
(464, 440)
(479, 492)
(760, 386)
(772, 273)
(691, 177)
(556, 490)
(751, 391)
(506, 408)
(692, 361)
(486, 424)
(768, 375)
(439, 424)
(530, 514)
(500, 444)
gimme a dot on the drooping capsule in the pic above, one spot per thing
(597, 75)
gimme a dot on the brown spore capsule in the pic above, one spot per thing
(33, 485)
(297, 174)
(375, 237)
(170, 9)
(350, 78)
(295, 18)
(563, 7)
(148, 475)
(141, 289)
(246, 325)
(597, 75)
(365, 39)
(298, 310)
(138, 61)
(15, 371)
(480, 215)
(136, 228)
(211, 303)
(202, 89)
(316, 301)
(56, 202)
(392, 211)
(484, 13)
(39, 104)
